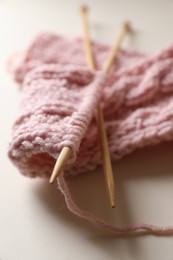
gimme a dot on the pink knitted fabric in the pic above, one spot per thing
(59, 101)
(47, 48)
(57, 106)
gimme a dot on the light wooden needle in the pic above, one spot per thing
(66, 152)
(86, 36)
(102, 132)
(60, 163)
(125, 28)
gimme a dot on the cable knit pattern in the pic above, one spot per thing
(59, 100)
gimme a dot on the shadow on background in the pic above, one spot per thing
(88, 191)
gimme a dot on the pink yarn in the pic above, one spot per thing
(118, 230)
(59, 102)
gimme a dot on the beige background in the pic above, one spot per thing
(34, 221)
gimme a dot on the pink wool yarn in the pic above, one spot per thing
(59, 102)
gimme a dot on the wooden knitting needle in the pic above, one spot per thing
(60, 163)
(102, 132)
(67, 151)
(91, 64)
(86, 36)
(104, 142)
(125, 28)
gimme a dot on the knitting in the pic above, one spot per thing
(57, 106)
(136, 99)
(59, 100)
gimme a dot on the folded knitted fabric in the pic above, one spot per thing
(137, 103)
(59, 102)
(56, 108)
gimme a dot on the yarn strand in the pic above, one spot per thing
(135, 229)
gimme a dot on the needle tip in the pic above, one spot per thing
(51, 181)
(84, 9)
(127, 26)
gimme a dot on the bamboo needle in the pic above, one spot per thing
(107, 167)
(60, 163)
(102, 132)
(86, 36)
(67, 151)
(125, 28)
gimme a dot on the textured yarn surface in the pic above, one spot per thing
(137, 98)
(59, 100)
(56, 108)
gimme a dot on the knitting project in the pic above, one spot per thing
(59, 100)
